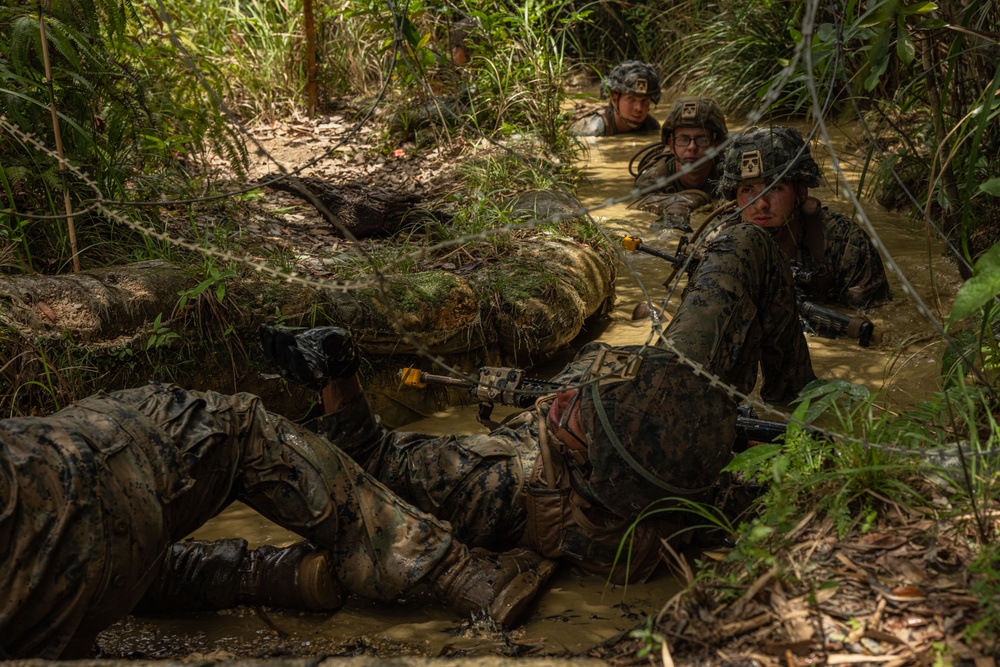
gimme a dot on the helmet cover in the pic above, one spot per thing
(633, 77)
(703, 112)
(659, 432)
(768, 154)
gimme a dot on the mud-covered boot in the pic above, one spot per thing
(313, 357)
(200, 575)
(296, 577)
(501, 585)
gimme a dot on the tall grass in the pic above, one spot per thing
(737, 51)
(255, 45)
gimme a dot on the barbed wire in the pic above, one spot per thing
(657, 334)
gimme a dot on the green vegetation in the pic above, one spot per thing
(149, 111)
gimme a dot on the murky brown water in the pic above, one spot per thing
(579, 611)
(903, 360)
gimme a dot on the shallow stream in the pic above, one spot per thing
(578, 612)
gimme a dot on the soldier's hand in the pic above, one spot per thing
(313, 357)
(679, 221)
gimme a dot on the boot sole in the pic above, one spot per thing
(319, 589)
(508, 608)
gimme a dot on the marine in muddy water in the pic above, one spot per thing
(631, 87)
(634, 424)
(768, 172)
(677, 168)
(95, 496)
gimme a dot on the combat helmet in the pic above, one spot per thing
(460, 31)
(633, 77)
(656, 429)
(768, 154)
(703, 112)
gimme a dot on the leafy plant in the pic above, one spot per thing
(739, 50)
(650, 642)
(160, 335)
(216, 281)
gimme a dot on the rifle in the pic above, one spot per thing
(511, 387)
(815, 318)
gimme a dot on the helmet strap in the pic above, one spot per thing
(618, 114)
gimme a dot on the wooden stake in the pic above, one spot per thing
(310, 27)
(58, 137)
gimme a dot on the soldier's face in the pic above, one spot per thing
(631, 107)
(565, 421)
(769, 207)
(689, 143)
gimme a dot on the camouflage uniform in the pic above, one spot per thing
(601, 123)
(851, 268)
(664, 432)
(94, 495)
(632, 77)
(744, 282)
(834, 260)
(674, 198)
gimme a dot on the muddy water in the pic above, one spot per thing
(578, 612)
(902, 363)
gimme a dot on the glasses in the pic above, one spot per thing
(683, 140)
(567, 414)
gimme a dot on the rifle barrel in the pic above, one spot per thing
(642, 247)
(443, 379)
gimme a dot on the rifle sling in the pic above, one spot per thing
(816, 246)
(627, 457)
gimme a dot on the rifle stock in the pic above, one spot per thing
(826, 322)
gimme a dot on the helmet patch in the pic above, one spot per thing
(770, 153)
(701, 112)
(751, 165)
(632, 76)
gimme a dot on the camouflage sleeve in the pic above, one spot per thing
(859, 278)
(589, 126)
(739, 310)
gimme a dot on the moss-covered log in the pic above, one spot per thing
(64, 337)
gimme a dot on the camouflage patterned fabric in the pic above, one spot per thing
(635, 77)
(122, 476)
(601, 123)
(471, 481)
(851, 266)
(854, 267)
(739, 310)
(665, 433)
(768, 154)
(703, 112)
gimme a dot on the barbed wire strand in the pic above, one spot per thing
(657, 330)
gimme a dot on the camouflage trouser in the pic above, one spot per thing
(94, 495)
(739, 310)
(475, 482)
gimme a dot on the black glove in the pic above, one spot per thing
(311, 358)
